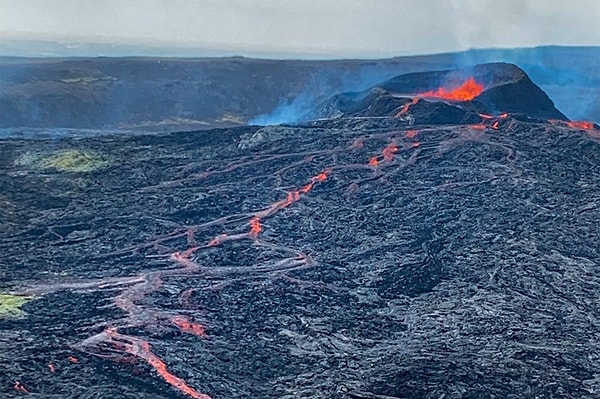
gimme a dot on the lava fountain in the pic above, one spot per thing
(465, 92)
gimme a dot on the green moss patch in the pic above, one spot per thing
(73, 161)
(10, 305)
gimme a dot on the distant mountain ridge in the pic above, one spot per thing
(185, 94)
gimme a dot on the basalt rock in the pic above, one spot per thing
(409, 249)
(506, 88)
(348, 258)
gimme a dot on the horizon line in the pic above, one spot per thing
(179, 52)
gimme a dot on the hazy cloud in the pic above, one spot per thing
(332, 27)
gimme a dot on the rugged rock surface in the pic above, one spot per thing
(506, 88)
(170, 94)
(354, 258)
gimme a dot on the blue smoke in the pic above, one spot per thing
(288, 111)
(324, 84)
(569, 75)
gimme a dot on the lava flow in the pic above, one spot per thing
(465, 92)
(406, 107)
(186, 325)
(20, 387)
(255, 228)
(581, 125)
(139, 348)
(113, 343)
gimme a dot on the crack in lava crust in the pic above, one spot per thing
(396, 150)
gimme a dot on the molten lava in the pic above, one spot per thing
(411, 134)
(486, 116)
(141, 349)
(389, 151)
(465, 92)
(144, 351)
(292, 196)
(478, 126)
(255, 227)
(187, 326)
(407, 106)
(217, 240)
(581, 125)
(20, 387)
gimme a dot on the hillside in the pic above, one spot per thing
(183, 94)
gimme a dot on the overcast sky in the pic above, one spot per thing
(367, 28)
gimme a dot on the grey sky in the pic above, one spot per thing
(328, 27)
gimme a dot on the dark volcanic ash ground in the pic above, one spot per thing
(354, 258)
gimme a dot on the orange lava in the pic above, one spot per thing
(389, 151)
(495, 125)
(292, 196)
(73, 359)
(217, 240)
(487, 116)
(20, 387)
(406, 107)
(467, 91)
(141, 349)
(321, 176)
(581, 125)
(304, 189)
(295, 195)
(51, 367)
(255, 227)
(478, 126)
(411, 134)
(187, 326)
(145, 352)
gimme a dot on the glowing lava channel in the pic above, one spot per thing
(387, 153)
(581, 125)
(292, 196)
(112, 344)
(141, 349)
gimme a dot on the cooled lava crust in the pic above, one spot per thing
(504, 88)
(395, 256)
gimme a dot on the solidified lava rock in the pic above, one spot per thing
(506, 88)
(521, 96)
(439, 113)
(365, 257)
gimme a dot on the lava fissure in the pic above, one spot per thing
(140, 349)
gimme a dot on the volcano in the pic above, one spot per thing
(438, 237)
(493, 88)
